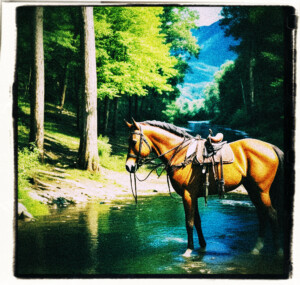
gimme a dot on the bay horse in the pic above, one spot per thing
(256, 165)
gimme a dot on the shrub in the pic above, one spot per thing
(28, 162)
(107, 160)
(239, 118)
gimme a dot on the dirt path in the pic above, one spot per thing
(55, 187)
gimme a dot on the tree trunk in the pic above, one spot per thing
(136, 105)
(64, 88)
(27, 88)
(79, 103)
(105, 114)
(115, 119)
(142, 104)
(129, 108)
(243, 95)
(251, 77)
(88, 150)
(38, 94)
(99, 115)
(251, 81)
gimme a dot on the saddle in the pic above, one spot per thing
(209, 153)
(205, 153)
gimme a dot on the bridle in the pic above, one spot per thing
(139, 161)
(142, 139)
(142, 161)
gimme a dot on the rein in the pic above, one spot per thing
(140, 162)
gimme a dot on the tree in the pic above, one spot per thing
(61, 40)
(88, 149)
(260, 52)
(38, 95)
(133, 60)
(251, 92)
(177, 25)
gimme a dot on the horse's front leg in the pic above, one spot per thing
(189, 203)
(199, 227)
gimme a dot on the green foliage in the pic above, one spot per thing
(107, 160)
(212, 100)
(219, 92)
(182, 110)
(28, 162)
(239, 119)
(249, 93)
(140, 51)
(104, 148)
(131, 53)
(177, 23)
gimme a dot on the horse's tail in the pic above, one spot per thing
(277, 188)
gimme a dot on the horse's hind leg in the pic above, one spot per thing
(198, 227)
(262, 221)
(265, 212)
(272, 216)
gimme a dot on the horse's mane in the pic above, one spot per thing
(170, 128)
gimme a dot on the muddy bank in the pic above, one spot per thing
(58, 190)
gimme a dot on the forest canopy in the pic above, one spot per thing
(142, 56)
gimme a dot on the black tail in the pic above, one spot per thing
(277, 188)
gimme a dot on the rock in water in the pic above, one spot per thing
(23, 213)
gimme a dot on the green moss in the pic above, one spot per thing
(34, 207)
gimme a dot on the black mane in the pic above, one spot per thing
(170, 128)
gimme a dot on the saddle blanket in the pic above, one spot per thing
(198, 150)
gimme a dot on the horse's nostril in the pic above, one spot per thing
(131, 168)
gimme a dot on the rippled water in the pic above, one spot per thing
(123, 239)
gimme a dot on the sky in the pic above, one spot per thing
(208, 15)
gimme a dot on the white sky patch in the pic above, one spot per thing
(208, 15)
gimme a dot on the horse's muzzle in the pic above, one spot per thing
(131, 168)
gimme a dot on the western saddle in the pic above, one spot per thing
(209, 153)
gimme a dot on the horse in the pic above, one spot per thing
(257, 165)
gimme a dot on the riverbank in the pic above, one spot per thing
(58, 183)
(56, 188)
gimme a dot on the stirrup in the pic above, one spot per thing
(221, 188)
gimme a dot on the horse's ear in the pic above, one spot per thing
(128, 124)
(135, 124)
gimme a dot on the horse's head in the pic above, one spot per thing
(139, 147)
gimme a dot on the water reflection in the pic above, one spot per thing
(149, 238)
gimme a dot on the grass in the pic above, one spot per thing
(28, 162)
(61, 145)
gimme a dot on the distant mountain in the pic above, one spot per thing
(214, 52)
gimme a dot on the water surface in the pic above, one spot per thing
(122, 239)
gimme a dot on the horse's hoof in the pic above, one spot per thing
(259, 245)
(188, 253)
(202, 249)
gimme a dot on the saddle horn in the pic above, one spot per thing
(217, 138)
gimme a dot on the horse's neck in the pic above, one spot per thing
(164, 141)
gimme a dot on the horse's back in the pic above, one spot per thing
(254, 147)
